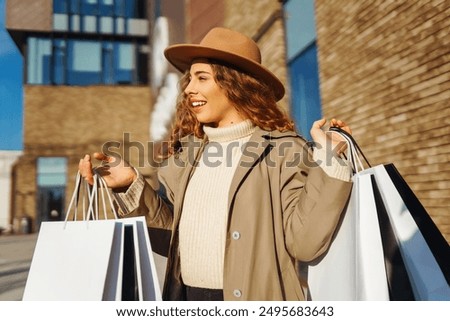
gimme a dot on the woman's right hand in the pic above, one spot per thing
(117, 173)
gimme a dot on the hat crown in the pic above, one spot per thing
(232, 42)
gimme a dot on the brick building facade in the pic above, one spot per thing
(71, 122)
(383, 66)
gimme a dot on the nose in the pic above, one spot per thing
(190, 88)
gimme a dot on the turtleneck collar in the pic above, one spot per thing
(230, 133)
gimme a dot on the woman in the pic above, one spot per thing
(242, 193)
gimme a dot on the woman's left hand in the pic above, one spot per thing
(320, 137)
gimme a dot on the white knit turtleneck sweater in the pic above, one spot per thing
(205, 209)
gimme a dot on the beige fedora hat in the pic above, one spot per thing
(227, 46)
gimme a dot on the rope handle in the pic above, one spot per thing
(91, 194)
(354, 151)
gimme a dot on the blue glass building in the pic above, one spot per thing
(49, 48)
(91, 42)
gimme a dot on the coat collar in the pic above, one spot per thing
(258, 144)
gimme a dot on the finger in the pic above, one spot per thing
(319, 123)
(100, 156)
(340, 123)
(85, 167)
(336, 123)
(85, 164)
(104, 158)
(347, 129)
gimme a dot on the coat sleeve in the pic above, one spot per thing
(312, 203)
(142, 200)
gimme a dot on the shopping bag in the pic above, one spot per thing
(353, 267)
(424, 252)
(427, 277)
(397, 276)
(435, 240)
(93, 259)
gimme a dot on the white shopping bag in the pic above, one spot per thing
(353, 267)
(108, 259)
(417, 256)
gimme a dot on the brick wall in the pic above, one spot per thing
(201, 16)
(72, 121)
(262, 20)
(385, 68)
(33, 15)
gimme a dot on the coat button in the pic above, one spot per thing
(236, 235)
(237, 293)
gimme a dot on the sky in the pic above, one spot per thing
(11, 92)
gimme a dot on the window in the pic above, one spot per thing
(59, 62)
(51, 182)
(51, 171)
(85, 62)
(61, 6)
(100, 16)
(303, 63)
(305, 89)
(39, 60)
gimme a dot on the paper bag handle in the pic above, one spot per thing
(354, 151)
(92, 194)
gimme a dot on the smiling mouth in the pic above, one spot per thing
(197, 103)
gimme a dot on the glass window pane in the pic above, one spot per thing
(137, 27)
(52, 171)
(60, 6)
(106, 8)
(108, 63)
(130, 8)
(39, 61)
(84, 62)
(119, 8)
(59, 58)
(89, 7)
(120, 26)
(300, 26)
(106, 25)
(75, 23)
(75, 6)
(60, 21)
(89, 23)
(305, 89)
(51, 181)
(124, 62)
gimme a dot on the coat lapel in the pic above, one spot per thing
(254, 149)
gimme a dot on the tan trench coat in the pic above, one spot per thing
(282, 208)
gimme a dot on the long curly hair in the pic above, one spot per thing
(253, 99)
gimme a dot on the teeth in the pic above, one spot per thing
(198, 103)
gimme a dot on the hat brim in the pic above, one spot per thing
(181, 57)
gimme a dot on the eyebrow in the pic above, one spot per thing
(201, 72)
